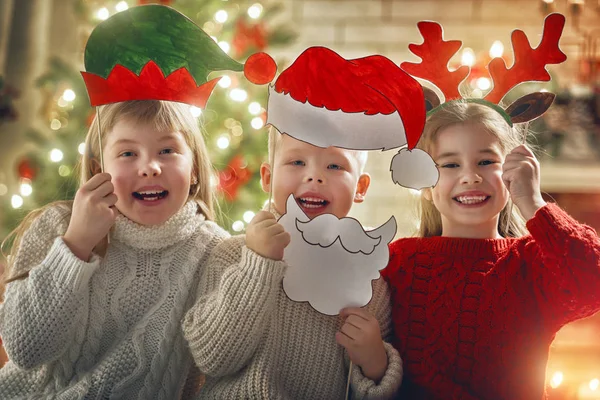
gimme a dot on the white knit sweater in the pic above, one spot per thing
(253, 342)
(108, 328)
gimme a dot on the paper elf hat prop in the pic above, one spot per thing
(153, 52)
(361, 104)
(529, 65)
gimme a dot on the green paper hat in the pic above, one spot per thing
(153, 52)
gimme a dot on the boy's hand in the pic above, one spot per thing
(266, 237)
(361, 337)
(521, 175)
(93, 215)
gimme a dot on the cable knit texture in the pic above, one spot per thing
(474, 318)
(253, 342)
(108, 328)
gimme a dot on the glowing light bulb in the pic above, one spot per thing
(224, 46)
(248, 215)
(81, 148)
(254, 108)
(557, 379)
(56, 155)
(238, 95)
(468, 57)
(68, 95)
(255, 10)
(103, 13)
(26, 189)
(225, 81)
(196, 111)
(257, 122)
(594, 384)
(223, 142)
(16, 201)
(497, 49)
(121, 6)
(238, 226)
(484, 83)
(221, 16)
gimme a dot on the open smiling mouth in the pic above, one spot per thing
(151, 195)
(312, 202)
(470, 200)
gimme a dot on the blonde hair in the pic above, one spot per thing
(163, 116)
(463, 112)
(275, 140)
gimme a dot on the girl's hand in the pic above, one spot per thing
(361, 337)
(93, 215)
(521, 175)
(265, 236)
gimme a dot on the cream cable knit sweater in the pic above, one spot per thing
(253, 342)
(109, 328)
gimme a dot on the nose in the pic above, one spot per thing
(470, 176)
(149, 168)
(313, 176)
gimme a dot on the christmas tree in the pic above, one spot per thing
(233, 120)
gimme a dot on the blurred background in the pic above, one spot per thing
(44, 109)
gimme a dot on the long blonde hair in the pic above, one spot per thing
(462, 112)
(163, 116)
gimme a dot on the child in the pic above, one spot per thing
(249, 338)
(87, 318)
(477, 302)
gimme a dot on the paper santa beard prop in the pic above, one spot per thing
(332, 262)
(362, 104)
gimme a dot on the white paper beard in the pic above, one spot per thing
(331, 261)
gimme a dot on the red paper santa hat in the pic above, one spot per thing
(362, 104)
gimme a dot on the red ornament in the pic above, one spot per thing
(234, 176)
(26, 169)
(248, 37)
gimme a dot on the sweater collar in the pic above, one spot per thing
(464, 246)
(179, 227)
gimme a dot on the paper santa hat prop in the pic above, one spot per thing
(361, 104)
(153, 52)
(529, 65)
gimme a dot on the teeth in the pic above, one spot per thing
(151, 192)
(312, 199)
(471, 199)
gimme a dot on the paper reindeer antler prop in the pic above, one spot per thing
(529, 65)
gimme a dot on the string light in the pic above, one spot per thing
(225, 81)
(56, 155)
(26, 189)
(254, 108)
(55, 124)
(248, 215)
(257, 122)
(468, 57)
(221, 16)
(69, 95)
(594, 384)
(255, 10)
(3, 189)
(214, 181)
(64, 170)
(497, 49)
(223, 142)
(81, 148)
(121, 6)
(103, 13)
(196, 111)
(557, 379)
(237, 226)
(238, 95)
(484, 83)
(224, 46)
(16, 201)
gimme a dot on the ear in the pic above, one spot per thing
(431, 99)
(265, 177)
(361, 188)
(529, 107)
(426, 193)
(95, 166)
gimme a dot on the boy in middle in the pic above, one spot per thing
(247, 337)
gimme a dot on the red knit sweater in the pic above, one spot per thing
(474, 318)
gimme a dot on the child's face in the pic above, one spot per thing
(323, 181)
(151, 171)
(470, 192)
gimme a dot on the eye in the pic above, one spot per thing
(167, 151)
(487, 162)
(450, 165)
(297, 162)
(126, 154)
(334, 166)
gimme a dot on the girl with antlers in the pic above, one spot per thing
(479, 296)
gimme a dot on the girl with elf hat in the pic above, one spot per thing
(249, 335)
(87, 317)
(479, 297)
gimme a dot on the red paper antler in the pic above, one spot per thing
(529, 64)
(435, 54)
